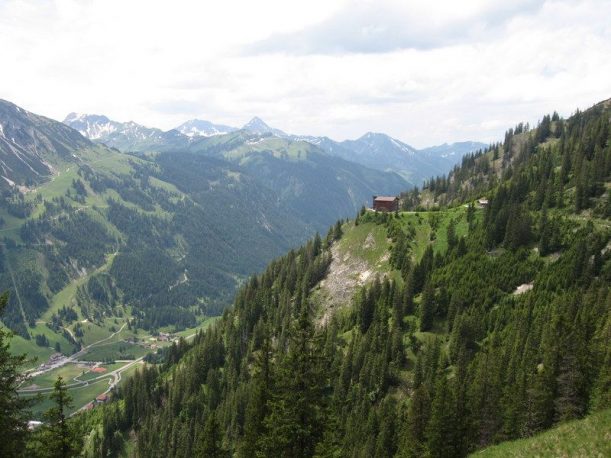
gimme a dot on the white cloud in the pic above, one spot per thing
(423, 72)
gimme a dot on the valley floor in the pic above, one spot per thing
(90, 372)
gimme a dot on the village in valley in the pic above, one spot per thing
(93, 373)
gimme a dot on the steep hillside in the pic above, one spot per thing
(32, 147)
(564, 155)
(432, 333)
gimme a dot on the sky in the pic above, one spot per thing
(422, 71)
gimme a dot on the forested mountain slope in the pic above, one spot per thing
(426, 333)
(320, 187)
(564, 157)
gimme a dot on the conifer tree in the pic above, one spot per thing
(210, 442)
(427, 307)
(57, 437)
(295, 422)
(439, 433)
(256, 409)
(13, 408)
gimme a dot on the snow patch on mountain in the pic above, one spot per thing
(93, 127)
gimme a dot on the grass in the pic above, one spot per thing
(109, 368)
(110, 349)
(67, 372)
(12, 225)
(115, 350)
(36, 354)
(56, 187)
(80, 397)
(126, 374)
(94, 332)
(421, 222)
(19, 345)
(278, 147)
(366, 241)
(589, 437)
(205, 324)
(65, 297)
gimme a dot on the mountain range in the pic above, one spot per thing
(374, 150)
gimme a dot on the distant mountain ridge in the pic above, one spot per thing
(382, 152)
(92, 126)
(295, 167)
(374, 150)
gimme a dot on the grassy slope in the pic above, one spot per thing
(368, 242)
(589, 437)
(278, 147)
(354, 239)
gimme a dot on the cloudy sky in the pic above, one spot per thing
(425, 72)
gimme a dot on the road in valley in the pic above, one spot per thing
(72, 358)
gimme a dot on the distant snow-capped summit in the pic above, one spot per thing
(92, 126)
(127, 136)
(202, 128)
